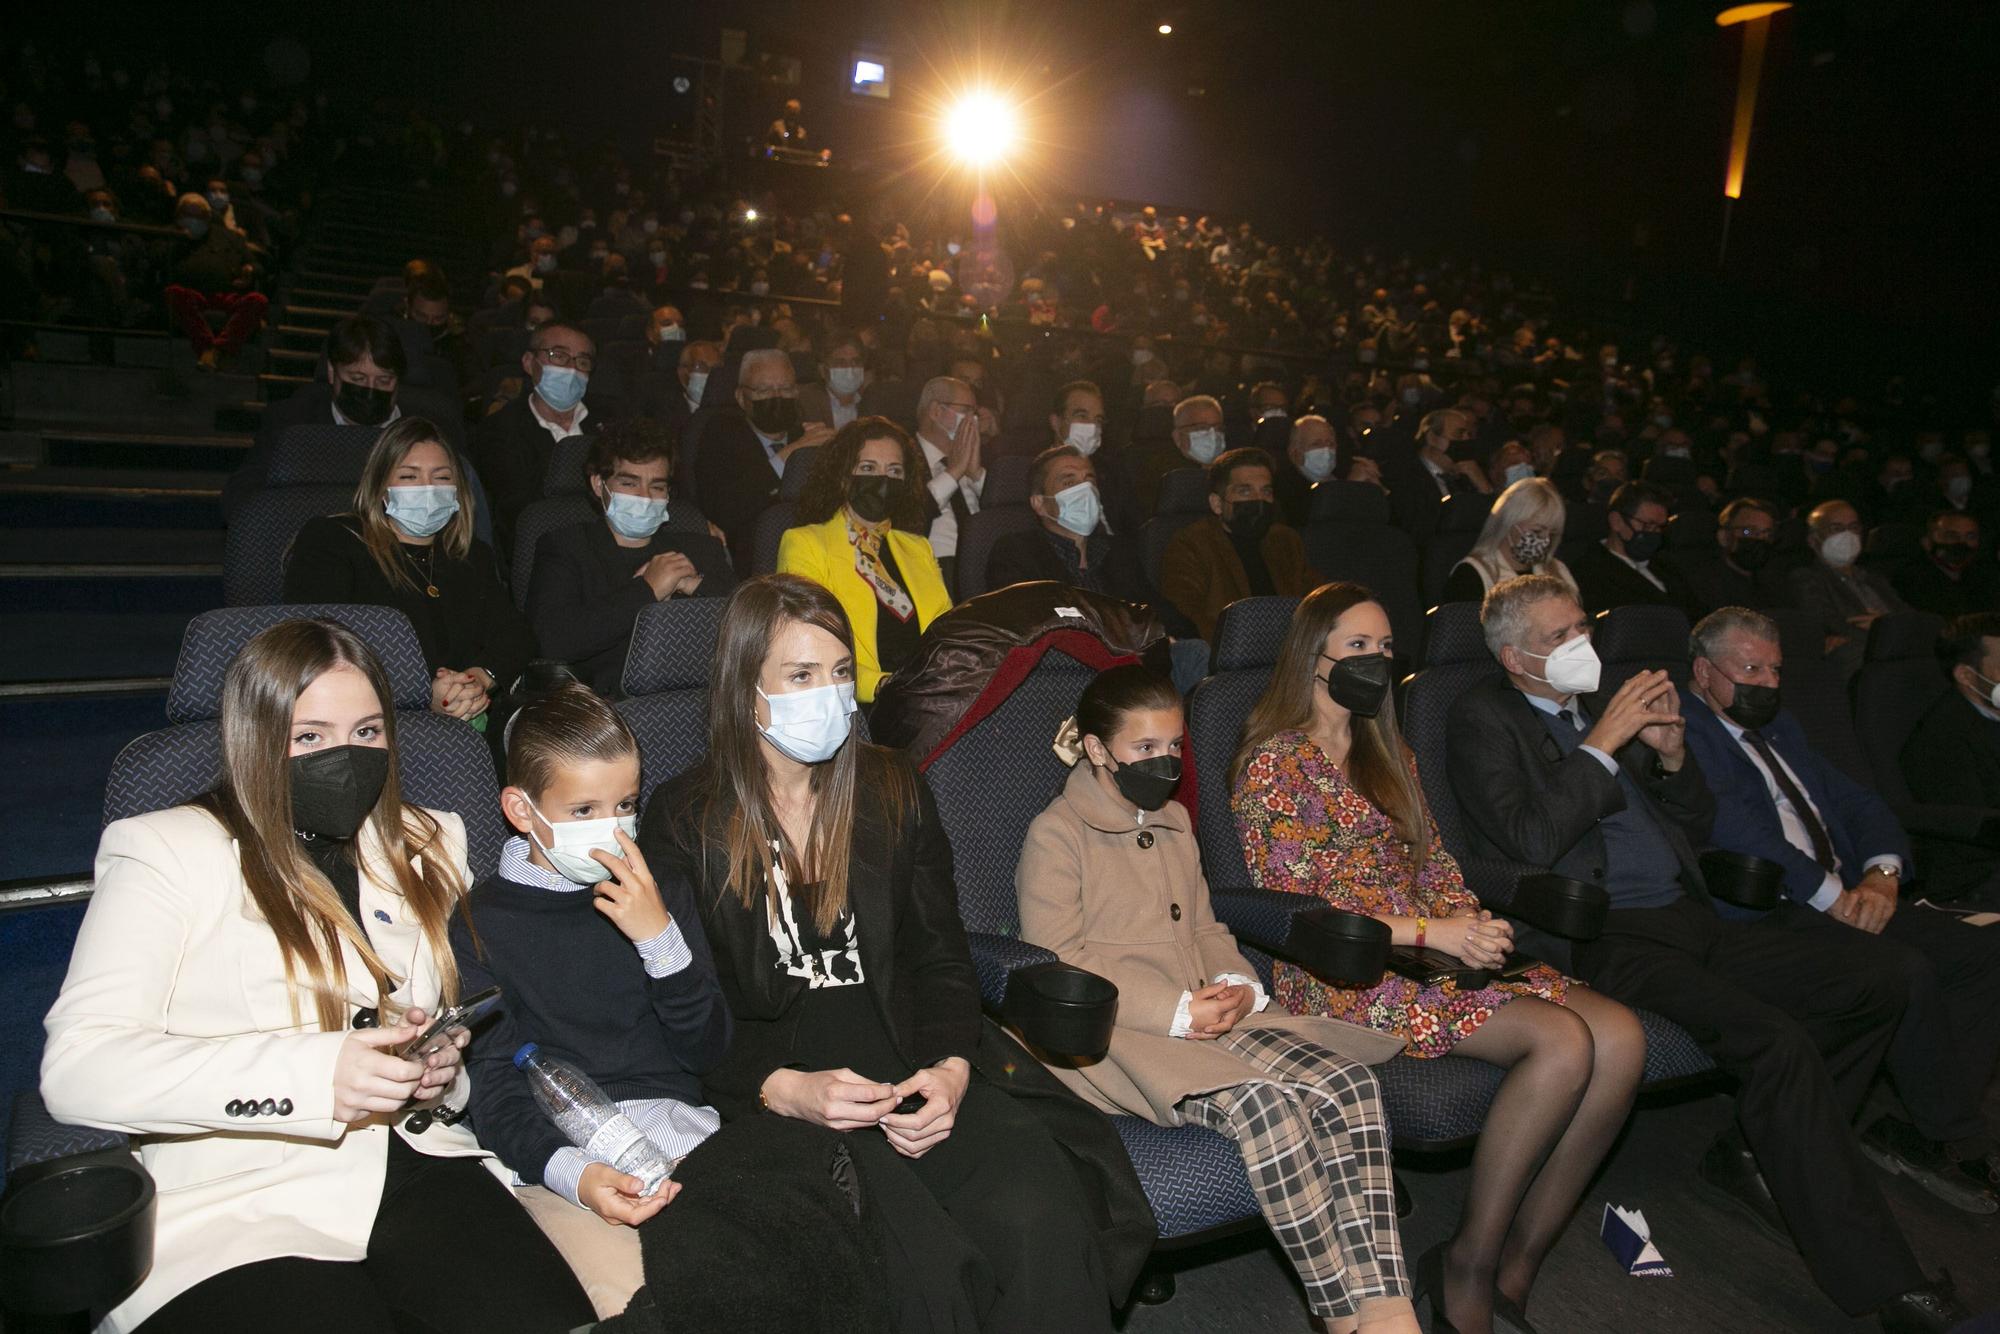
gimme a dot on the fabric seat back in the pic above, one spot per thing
(1457, 659)
(565, 476)
(318, 455)
(1381, 559)
(1900, 678)
(258, 544)
(770, 530)
(1630, 640)
(1247, 638)
(666, 685)
(975, 544)
(1816, 692)
(444, 763)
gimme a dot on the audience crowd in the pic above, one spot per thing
(846, 424)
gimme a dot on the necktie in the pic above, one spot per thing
(1822, 845)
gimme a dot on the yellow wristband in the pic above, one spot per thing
(1423, 925)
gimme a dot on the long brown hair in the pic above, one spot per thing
(1378, 764)
(253, 801)
(377, 532)
(735, 786)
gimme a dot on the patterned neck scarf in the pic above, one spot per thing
(868, 540)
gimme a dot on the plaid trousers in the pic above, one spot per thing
(1315, 1141)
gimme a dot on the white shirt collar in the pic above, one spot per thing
(557, 429)
(516, 866)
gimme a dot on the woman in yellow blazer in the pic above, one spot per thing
(861, 537)
(250, 966)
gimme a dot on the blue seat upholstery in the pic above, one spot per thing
(1184, 491)
(444, 763)
(666, 685)
(975, 544)
(770, 530)
(260, 536)
(1635, 639)
(564, 476)
(315, 455)
(1193, 1177)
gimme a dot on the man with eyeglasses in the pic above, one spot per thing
(742, 455)
(1622, 570)
(512, 446)
(948, 432)
(1735, 576)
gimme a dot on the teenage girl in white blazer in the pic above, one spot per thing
(248, 966)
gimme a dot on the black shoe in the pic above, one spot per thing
(1427, 1283)
(1896, 1146)
(1731, 1169)
(1508, 1317)
(1931, 1309)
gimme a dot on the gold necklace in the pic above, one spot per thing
(430, 579)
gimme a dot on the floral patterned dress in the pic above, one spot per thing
(1305, 829)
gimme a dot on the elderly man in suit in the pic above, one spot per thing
(743, 448)
(1612, 796)
(1846, 598)
(1845, 858)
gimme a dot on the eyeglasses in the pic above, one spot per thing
(784, 391)
(560, 356)
(1765, 533)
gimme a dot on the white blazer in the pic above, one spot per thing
(176, 1010)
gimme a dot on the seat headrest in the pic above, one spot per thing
(798, 470)
(321, 455)
(1904, 634)
(1249, 631)
(1184, 491)
(564, 475)
(214, 638)
(1349, 502)
(673, 646)
(1453, 634)
(1641, 634)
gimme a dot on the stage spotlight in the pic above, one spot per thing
(981, 129)
(749, 215)
(1166, 30)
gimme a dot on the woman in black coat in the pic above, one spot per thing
(824, 882)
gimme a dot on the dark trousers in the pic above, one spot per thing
(1804, 1038)
(988, 1230)
(451, 1252)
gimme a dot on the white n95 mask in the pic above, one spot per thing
(1573, 668)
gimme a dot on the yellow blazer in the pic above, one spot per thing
(822, 553)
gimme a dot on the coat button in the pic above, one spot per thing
(268, 1107)
(418, 1123)
(249, 1106)
(285, 1107)
(1175, 912)
(234, 1107)
(364, 1019)
(1145, 838)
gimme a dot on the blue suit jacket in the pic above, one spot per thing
(1858, 821)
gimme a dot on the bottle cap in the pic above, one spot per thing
(526, 1054)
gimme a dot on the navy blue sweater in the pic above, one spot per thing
(574, 984)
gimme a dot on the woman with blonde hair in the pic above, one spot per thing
(1522, 532)
(1328, 803)
(408, 544)
(251, 970)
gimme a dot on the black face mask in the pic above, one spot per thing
(1249, 520)
(1954, 555)
(1360, 683)
(334, 789)
(1752, 553)
(775, 417)
(1642, 547)
(871, 496)
(1154, 423)
(1148, 784)
(1754, 706)
(363, 404)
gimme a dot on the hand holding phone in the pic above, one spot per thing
(462, 1015)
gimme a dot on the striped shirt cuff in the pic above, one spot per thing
(564, 1172)
(666, 953)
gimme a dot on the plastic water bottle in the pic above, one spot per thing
(590, 1119)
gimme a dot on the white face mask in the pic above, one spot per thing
(420, 511)
(1204, 443)
(1083, 437)
(1573, 667)
(569, 850)
(1078, 508)
(844, 379)
(1841, 550)
(1317, 465)
(697, 381)
(1993, 692)
(811, 725)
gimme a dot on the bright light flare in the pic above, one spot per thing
(749, 215)
(1166, 30)
(981, 129)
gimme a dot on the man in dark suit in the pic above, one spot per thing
(1733, 575)
(1951, 580)
(744, 448)
(1616, 800)
(1621, 571)
(1954, 755)
(1072, 546)
(511, 447)
(1419, 479)
(1239, 549)
(590, 580)
(1845, 858)
(674, 395)
(1846, 598)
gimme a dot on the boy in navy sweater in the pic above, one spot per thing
(601, 967)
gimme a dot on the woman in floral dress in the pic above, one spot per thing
(1327, 803)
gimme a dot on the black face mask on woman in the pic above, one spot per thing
(1149, 783)
(870, 496)
(334, 789)
(1360, 683)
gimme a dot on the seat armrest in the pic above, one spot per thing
(76, 1226)
(1261, 917)
(34, 1137)
(995, 957)
(1345, 948)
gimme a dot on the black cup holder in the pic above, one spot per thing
(1062, 1009)
(1741, 879)
(1560, 905)
(1339, 946)
(77, 1236)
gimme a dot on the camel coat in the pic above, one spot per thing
(1122, 895)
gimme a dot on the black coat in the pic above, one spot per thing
(1953, 759)
(1927, 588)
(511, 449)
(919, 971)
(583, 596)
(733, 479)
(1019, 558)
(1528, 804)
(1603, 582)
